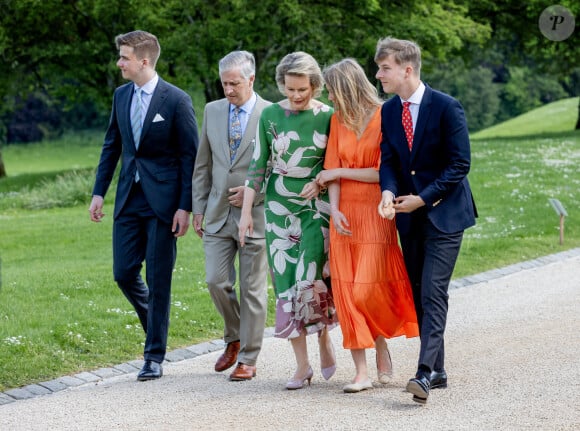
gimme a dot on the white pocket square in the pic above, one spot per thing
(158, 118)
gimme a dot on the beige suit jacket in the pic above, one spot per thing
(214, 175)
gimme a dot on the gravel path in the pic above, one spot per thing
(512, 349)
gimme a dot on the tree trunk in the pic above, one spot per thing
(578, 120)
(2, 168)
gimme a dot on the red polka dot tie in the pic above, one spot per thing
(408, 124)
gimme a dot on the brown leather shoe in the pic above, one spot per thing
(229, 357)
(243, 372)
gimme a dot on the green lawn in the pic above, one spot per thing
(556, 117)
(62, 313)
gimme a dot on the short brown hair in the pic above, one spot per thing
(145, 45)
(403, 51)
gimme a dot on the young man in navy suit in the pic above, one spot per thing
(425, 158)
(153, 130)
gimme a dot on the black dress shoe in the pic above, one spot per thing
(438, 379)
(151, 370)
(419, 387)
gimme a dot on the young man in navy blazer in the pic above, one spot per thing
(425, 158)
(153, 130)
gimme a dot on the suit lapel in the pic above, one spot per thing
(250, 129)
(424, 110)
(222, 115)
(124, 115)
(157, 99)
(399, 138)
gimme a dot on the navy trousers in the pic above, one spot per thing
(138, 236)
(430, 257)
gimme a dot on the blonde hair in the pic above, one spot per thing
(403, 51)
(354, 95)
(300, 64)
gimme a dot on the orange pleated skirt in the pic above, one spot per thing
(371, 289)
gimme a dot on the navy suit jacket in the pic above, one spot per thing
(436, 168)
(166, 154)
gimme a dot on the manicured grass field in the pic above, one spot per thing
(61, 312)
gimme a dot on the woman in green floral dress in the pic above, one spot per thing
(289, 153)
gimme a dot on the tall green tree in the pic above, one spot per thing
(64, 48)
(517, 42)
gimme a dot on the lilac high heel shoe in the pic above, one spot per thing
(328, 372)
(299, 383)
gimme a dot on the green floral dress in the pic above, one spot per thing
(289, 153)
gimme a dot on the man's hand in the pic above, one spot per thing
(408, 203)
(236, 196)
(197, 224)
(180, 223)
(386, 207)
(96, 208)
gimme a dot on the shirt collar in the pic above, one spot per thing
(150, 85)
(417, 96)
(246, 107)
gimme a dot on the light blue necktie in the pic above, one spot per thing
(235, 133)
(136, 123)
(136, 118)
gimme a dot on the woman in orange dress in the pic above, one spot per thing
(371, 289)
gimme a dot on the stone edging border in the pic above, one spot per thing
(62, 383)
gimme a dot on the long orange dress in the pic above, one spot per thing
(371, 289)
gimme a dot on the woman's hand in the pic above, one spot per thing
(310, 190)
(386, 207)
(327, 176)
(246, 226)
(340, 222)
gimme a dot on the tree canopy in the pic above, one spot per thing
(62, 51)
(65, 47)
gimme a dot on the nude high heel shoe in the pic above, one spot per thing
(298, 383)
(385, 376)
(355, 387)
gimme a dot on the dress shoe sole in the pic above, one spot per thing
(417, 390)
(220, 369)
(438, 385)
(241, 379)
(226, 365)
(419, 399)
(146, 378)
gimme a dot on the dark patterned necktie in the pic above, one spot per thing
(235, 133)
(408, 124)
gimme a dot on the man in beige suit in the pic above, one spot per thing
(224, 155)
